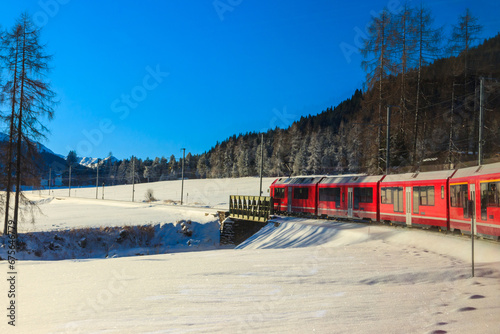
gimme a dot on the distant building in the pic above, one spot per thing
(55, 182)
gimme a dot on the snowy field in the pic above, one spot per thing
(294, 276)
(212, 193)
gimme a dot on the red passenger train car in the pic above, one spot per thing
(352, 196)
(295, 194)
(482, 186)
(416, 199)
(430, 199)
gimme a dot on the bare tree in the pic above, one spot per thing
(464, 35)
(377, 64)
(31, 97)
(10, 48)
(403, 32)
(427, 47)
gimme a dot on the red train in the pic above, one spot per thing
(432, 199)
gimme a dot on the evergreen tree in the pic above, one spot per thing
(300, 161)
(202, 168)
(316, 149)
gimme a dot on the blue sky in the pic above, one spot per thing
(148, 78)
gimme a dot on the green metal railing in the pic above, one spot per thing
(253, 208)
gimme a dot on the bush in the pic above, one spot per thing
(150, 196)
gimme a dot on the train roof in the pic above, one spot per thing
(363, 178)
(298, 180)
(344, 179)
(478, 170)
(437, 175)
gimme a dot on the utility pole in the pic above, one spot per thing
(261, 161)
(103, 190)
(69, 182)
(451, 127)
(97, 181)
(50, 178)
(388, 144)
(133, 178)
(472, 215)
(481, 115)
(182, 173)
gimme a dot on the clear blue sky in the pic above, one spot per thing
(147, 78)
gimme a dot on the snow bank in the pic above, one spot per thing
(104, 242)
(290, 232)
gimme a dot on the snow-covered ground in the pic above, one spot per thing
(294, 276)
(207, 192)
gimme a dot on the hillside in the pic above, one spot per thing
(342, 138)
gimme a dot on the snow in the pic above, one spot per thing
(92, 162)
(213, 193)
(294, 276)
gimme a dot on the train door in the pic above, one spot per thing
(472, 188)
(289, 200)
(349, 202)
(408, 206)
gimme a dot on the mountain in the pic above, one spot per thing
(92, 162)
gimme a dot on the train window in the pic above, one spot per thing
(301, 193)
(425, 196)
(458, 195)
(386, 195)
(490, 197)
(363, 195)
(279, 192)
(416, 200)
(329, 194)
(398, 199)
(393, 195)
(442, 192)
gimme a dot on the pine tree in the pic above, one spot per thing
(202, 166)
(341, 151)
(316, 149)
(300, 161)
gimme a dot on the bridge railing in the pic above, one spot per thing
(253, 208)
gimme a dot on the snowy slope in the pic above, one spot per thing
(294, 276)
(298, 277)
(206, 192)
